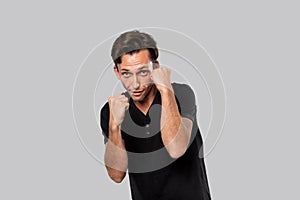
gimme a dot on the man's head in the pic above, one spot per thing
(131, 42)
(134, 54)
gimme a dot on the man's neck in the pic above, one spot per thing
(146, 103)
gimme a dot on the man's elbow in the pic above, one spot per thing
(177, 153)
(117, 178)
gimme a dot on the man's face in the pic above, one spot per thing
(135, 74)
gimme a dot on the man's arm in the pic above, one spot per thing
(175, 130)
(115, 157)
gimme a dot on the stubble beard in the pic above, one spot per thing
(145, 96)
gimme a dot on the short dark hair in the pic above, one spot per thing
(132, 42)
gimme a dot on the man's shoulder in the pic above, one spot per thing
(104, 110)
(176, 85)
(105, 106)
(182, 89)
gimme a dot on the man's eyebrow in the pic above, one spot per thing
(139, 68)
(142, 67)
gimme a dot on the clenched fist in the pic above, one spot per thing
(118, 104)
(161, 78)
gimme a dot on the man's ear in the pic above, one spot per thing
(117, 72)
(156, 64)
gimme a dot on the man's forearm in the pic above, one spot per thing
(175, 130)
(116, 160)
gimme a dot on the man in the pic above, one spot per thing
(151, 130)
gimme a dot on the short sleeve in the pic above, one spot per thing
(104, 121)
(186, 99)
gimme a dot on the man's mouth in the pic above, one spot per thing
(137, 93)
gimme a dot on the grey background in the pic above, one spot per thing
(255, 45)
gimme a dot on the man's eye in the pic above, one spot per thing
(126, 74)
(144, 72)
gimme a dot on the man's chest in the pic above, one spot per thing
(140, 132)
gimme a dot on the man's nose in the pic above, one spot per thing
(135, 82)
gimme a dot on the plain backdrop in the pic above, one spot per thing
(255, 45)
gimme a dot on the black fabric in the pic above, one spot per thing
(184, 178)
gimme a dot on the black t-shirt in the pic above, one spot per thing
(153, 174)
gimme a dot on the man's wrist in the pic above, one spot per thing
(166, 91)
(114, 127)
